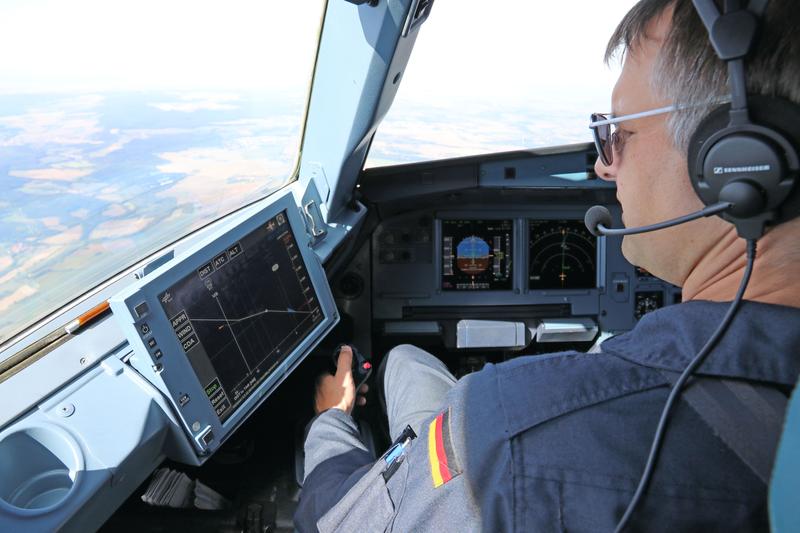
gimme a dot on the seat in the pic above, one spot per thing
(784, 490)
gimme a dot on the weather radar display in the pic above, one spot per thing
(563, 255)
(477, 254)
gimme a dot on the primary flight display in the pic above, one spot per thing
(477, 254)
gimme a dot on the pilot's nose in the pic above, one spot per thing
(607, 172)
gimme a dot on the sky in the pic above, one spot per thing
(157, 44)
(488, 49)
(513, 49)
(480, 80)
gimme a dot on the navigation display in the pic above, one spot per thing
(238, 316)
(563, 255)
(477, 254)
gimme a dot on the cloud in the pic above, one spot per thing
(189, 103)
(5, 262)
(252, 126)
(189, 107)
(17, 296)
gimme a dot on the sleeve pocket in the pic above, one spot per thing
(366, 507)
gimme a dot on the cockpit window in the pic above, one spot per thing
(515, 75)
(126, 125)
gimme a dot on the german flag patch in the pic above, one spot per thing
(444, 463)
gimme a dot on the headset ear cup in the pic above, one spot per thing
(772, 138)
(713, 123)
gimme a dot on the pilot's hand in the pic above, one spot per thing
(339, 391)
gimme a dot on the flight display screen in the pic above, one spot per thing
(563, 255)
(238, 316)
(477, 254)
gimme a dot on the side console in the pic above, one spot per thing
(210, 334)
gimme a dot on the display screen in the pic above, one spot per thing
(477, 254)
(563, 255)
(238, 316)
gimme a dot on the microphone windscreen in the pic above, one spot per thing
(597, 215)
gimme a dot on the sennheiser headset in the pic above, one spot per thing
(743, 164)
(745, 152)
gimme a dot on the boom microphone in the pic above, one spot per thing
(598, 220)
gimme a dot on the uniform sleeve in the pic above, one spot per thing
(459, 468)
(335, 459)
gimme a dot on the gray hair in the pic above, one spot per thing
(688, 71)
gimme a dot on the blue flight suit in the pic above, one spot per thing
(558, 442)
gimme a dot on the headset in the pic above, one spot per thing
(743, 164)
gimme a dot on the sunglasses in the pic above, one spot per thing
(607, 139)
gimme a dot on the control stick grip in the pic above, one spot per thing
(362, 367)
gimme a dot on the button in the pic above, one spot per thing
(205, 270)
(144, 328)
(151, 342)
(208, 437)
(220, 260)
(158, 367)
(141, 309)
(183, 400)
(234, 250)
(158, 354)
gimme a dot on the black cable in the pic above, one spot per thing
(712, 209)
(676, 388)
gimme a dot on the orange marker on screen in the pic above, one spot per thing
(86, 317)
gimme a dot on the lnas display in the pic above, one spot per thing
(239, 315)
(563, 255)
(477, 255)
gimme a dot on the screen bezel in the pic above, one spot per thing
(176, 376)
(189, 311)
(440, 254)
(529, 259)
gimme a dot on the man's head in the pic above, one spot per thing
(668, 60)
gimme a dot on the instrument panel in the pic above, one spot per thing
(478, 254)
(433, 268)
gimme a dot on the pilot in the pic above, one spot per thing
(559, 442)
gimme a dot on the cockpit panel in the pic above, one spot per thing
(455, 249)
(217, 329)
